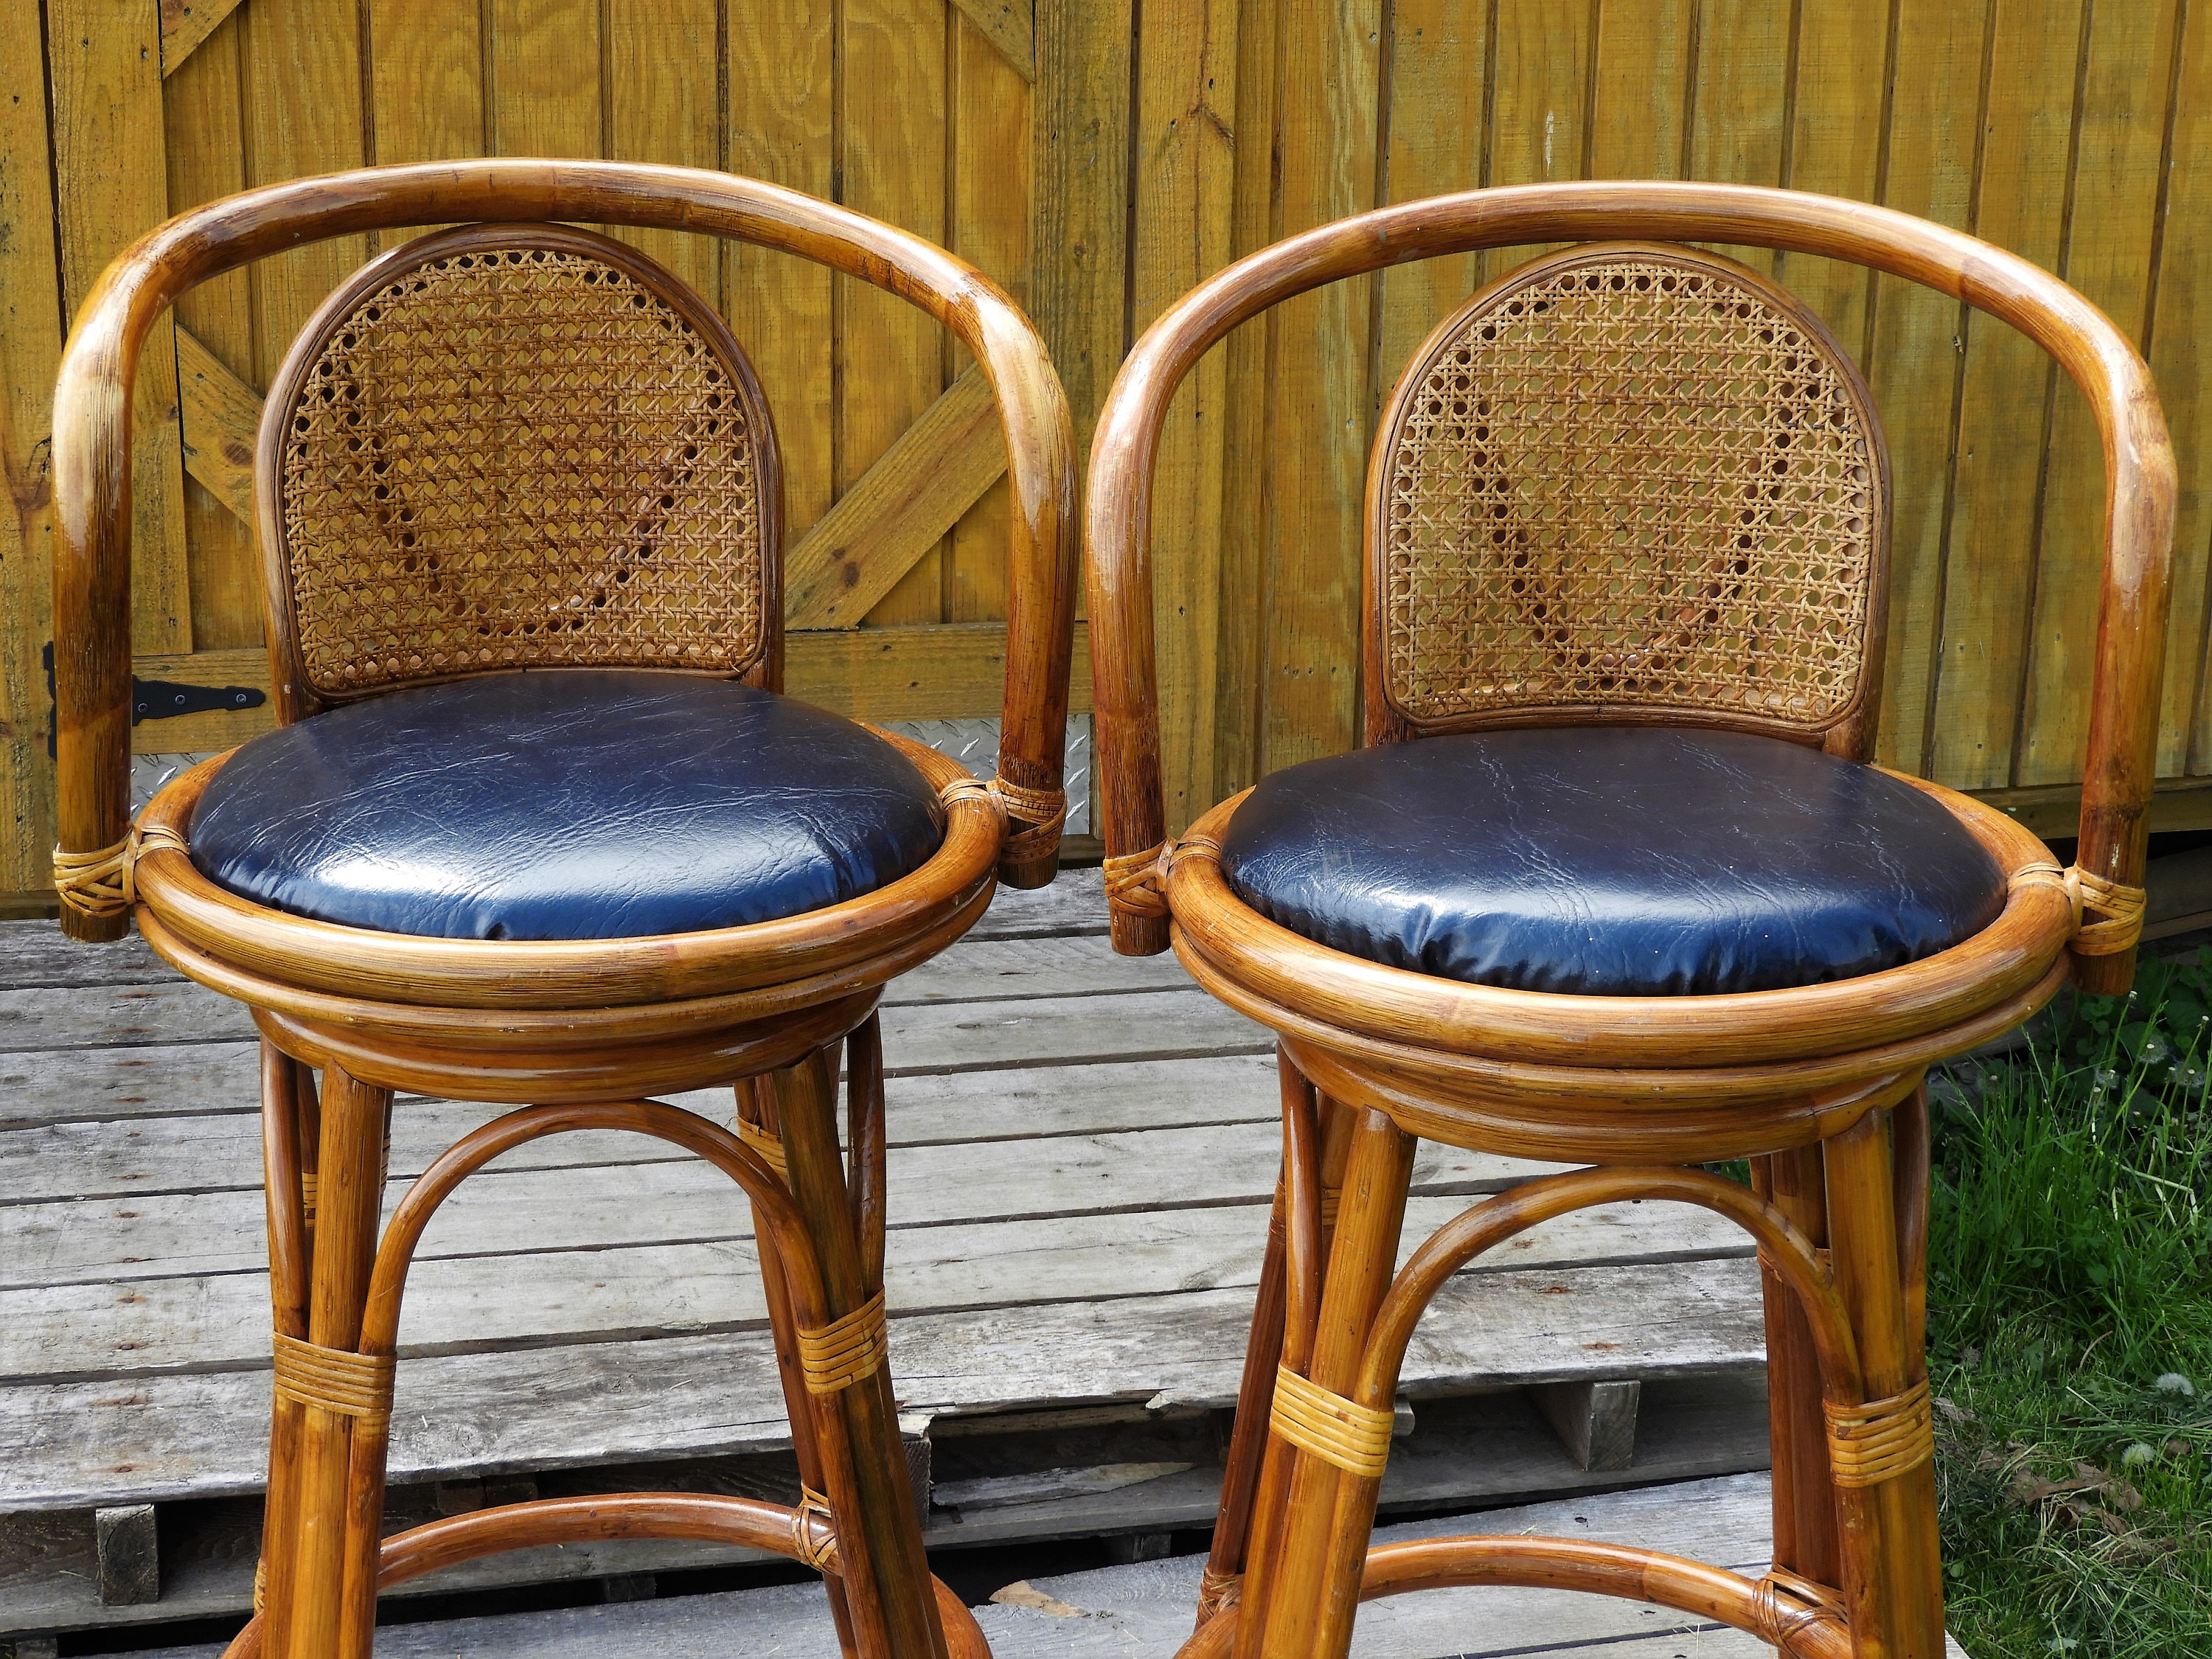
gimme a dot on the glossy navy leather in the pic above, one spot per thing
(1611, 860)
(564, 804)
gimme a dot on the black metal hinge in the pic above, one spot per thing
(157, 700)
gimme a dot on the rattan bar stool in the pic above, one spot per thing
(537, 826)
(1612, 883)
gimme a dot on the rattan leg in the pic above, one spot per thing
(1904, 1573)
(1805, 1539)
(756, 1106)
(880, 1511)
(318, 1539)
(1313, 1581)
(289, 1270)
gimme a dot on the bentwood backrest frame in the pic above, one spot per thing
(92, 432)
(2139, 470)
(502, 446)
(1628, 482)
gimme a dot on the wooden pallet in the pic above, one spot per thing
(1084, 1148)
(1143, 1611)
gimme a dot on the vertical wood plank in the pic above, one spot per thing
(779, 305)
(891, 356)
(664, 105)
(113, 186)
(1255, 219)
(1323, 412)
(1916, 362)
(427, 73)
(544, 60)
(2120, 139)
(1835, 146)
(2181, 360)
(1080, 165)
(303, 115)
(206, 155)
(1439, 55)
(1640, 87)
(1185, 185)
(1737, 130)
(1542, 80)
(2020, 204)
(990, 132)
(30, 355)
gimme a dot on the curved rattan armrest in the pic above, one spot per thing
(92, 434)
(2139, 472)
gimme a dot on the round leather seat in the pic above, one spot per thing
(1611, 860)
(564, 804)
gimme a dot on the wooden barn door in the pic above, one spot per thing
(119, 112)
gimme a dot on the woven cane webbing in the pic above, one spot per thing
(519, 456)
(1629, 476)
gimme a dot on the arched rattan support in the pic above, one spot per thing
(1486, 1225)
(2139, 468)
(746, 1522)
(1578, 1564)
(92, 447)
(674, 1124)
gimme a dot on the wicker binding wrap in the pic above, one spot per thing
(518, 447)
(1629, 476)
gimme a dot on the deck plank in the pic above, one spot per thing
(503, 1211)
(145, 1438)
(121, 1327)
(215, 1150)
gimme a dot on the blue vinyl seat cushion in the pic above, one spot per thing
(564, 804)
(1611, 861)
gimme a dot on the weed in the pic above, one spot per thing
(2070, 1331)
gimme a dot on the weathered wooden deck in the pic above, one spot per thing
(1143, 1611)
(1084, 1148)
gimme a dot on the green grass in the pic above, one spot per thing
(2070, 1332)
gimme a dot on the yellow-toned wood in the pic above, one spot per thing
(30, 351)
(1540, 82)
(427, 68)
(303, 63)
(1736, 136)
(1439, 52)
(779, 307)
(222, 414)
(2181, 358)
(990, 99)
(1009, 26)
(1185, 161)
(1835, 147)
(206, 146)
(2008, 391)
(663, 105)
(1640, 88)
(893, 128)
(1915, 364)
(1324, 403)
(892, 518)
(1255, 220)
(935, 673)
(112, 183)
(542, 66)
(185, 25)
(2119, 141)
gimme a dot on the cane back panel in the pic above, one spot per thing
(1628, 481)
(507, 446)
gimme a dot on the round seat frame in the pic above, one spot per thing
(1480, 543)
